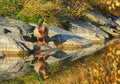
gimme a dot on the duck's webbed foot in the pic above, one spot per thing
(40, 43)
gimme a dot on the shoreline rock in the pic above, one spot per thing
(17, 45)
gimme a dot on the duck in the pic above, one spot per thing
(40, 31)
(41, 67)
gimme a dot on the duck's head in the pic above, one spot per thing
(40, 21)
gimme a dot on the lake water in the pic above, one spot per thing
(17, 65)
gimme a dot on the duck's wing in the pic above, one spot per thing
(36, 33)
(46, 31)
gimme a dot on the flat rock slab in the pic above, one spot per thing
(87, 31)
(100, 19)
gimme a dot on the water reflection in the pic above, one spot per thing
(12, 66)
(41, 66)
(39, 62)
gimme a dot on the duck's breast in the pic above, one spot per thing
(36, 33)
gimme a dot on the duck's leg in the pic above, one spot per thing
(44, 42)
(40, 43)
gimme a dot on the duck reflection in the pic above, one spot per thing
(40, 65)
(43, 59)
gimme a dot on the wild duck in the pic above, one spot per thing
(40, 31)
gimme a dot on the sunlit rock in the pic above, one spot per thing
(11, 36)
(111, 31)
(13, 66)
(67, 40)
(100, 19)
(87, 31)
(118, 22)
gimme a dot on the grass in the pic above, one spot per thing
(103, 67)
(55, 12)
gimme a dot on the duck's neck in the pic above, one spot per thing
(41, 25)
(41, 28)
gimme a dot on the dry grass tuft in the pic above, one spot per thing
(34, 9)
(55, 12)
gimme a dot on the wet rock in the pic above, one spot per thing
(88, 31)
(63, 38)
(16, 25)
(10, 45)
(11, 36)
(66, 39)
(13, 66)
(111, 31)
(100, 19)
(118, 21)
(72, 55)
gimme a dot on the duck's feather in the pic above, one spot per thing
(37, 34)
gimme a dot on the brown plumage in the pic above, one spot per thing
(41, 32)
(41, 67)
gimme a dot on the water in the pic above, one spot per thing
(16, 65)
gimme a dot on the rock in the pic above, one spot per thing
(85, 51)
(118, 22)
(100, 19)
(65, 39)
(111, 31)
(11, 36)
(22, 27)
(10, 45)
(13, 66)
(73, 55)
(87, 31)
(2, 55)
